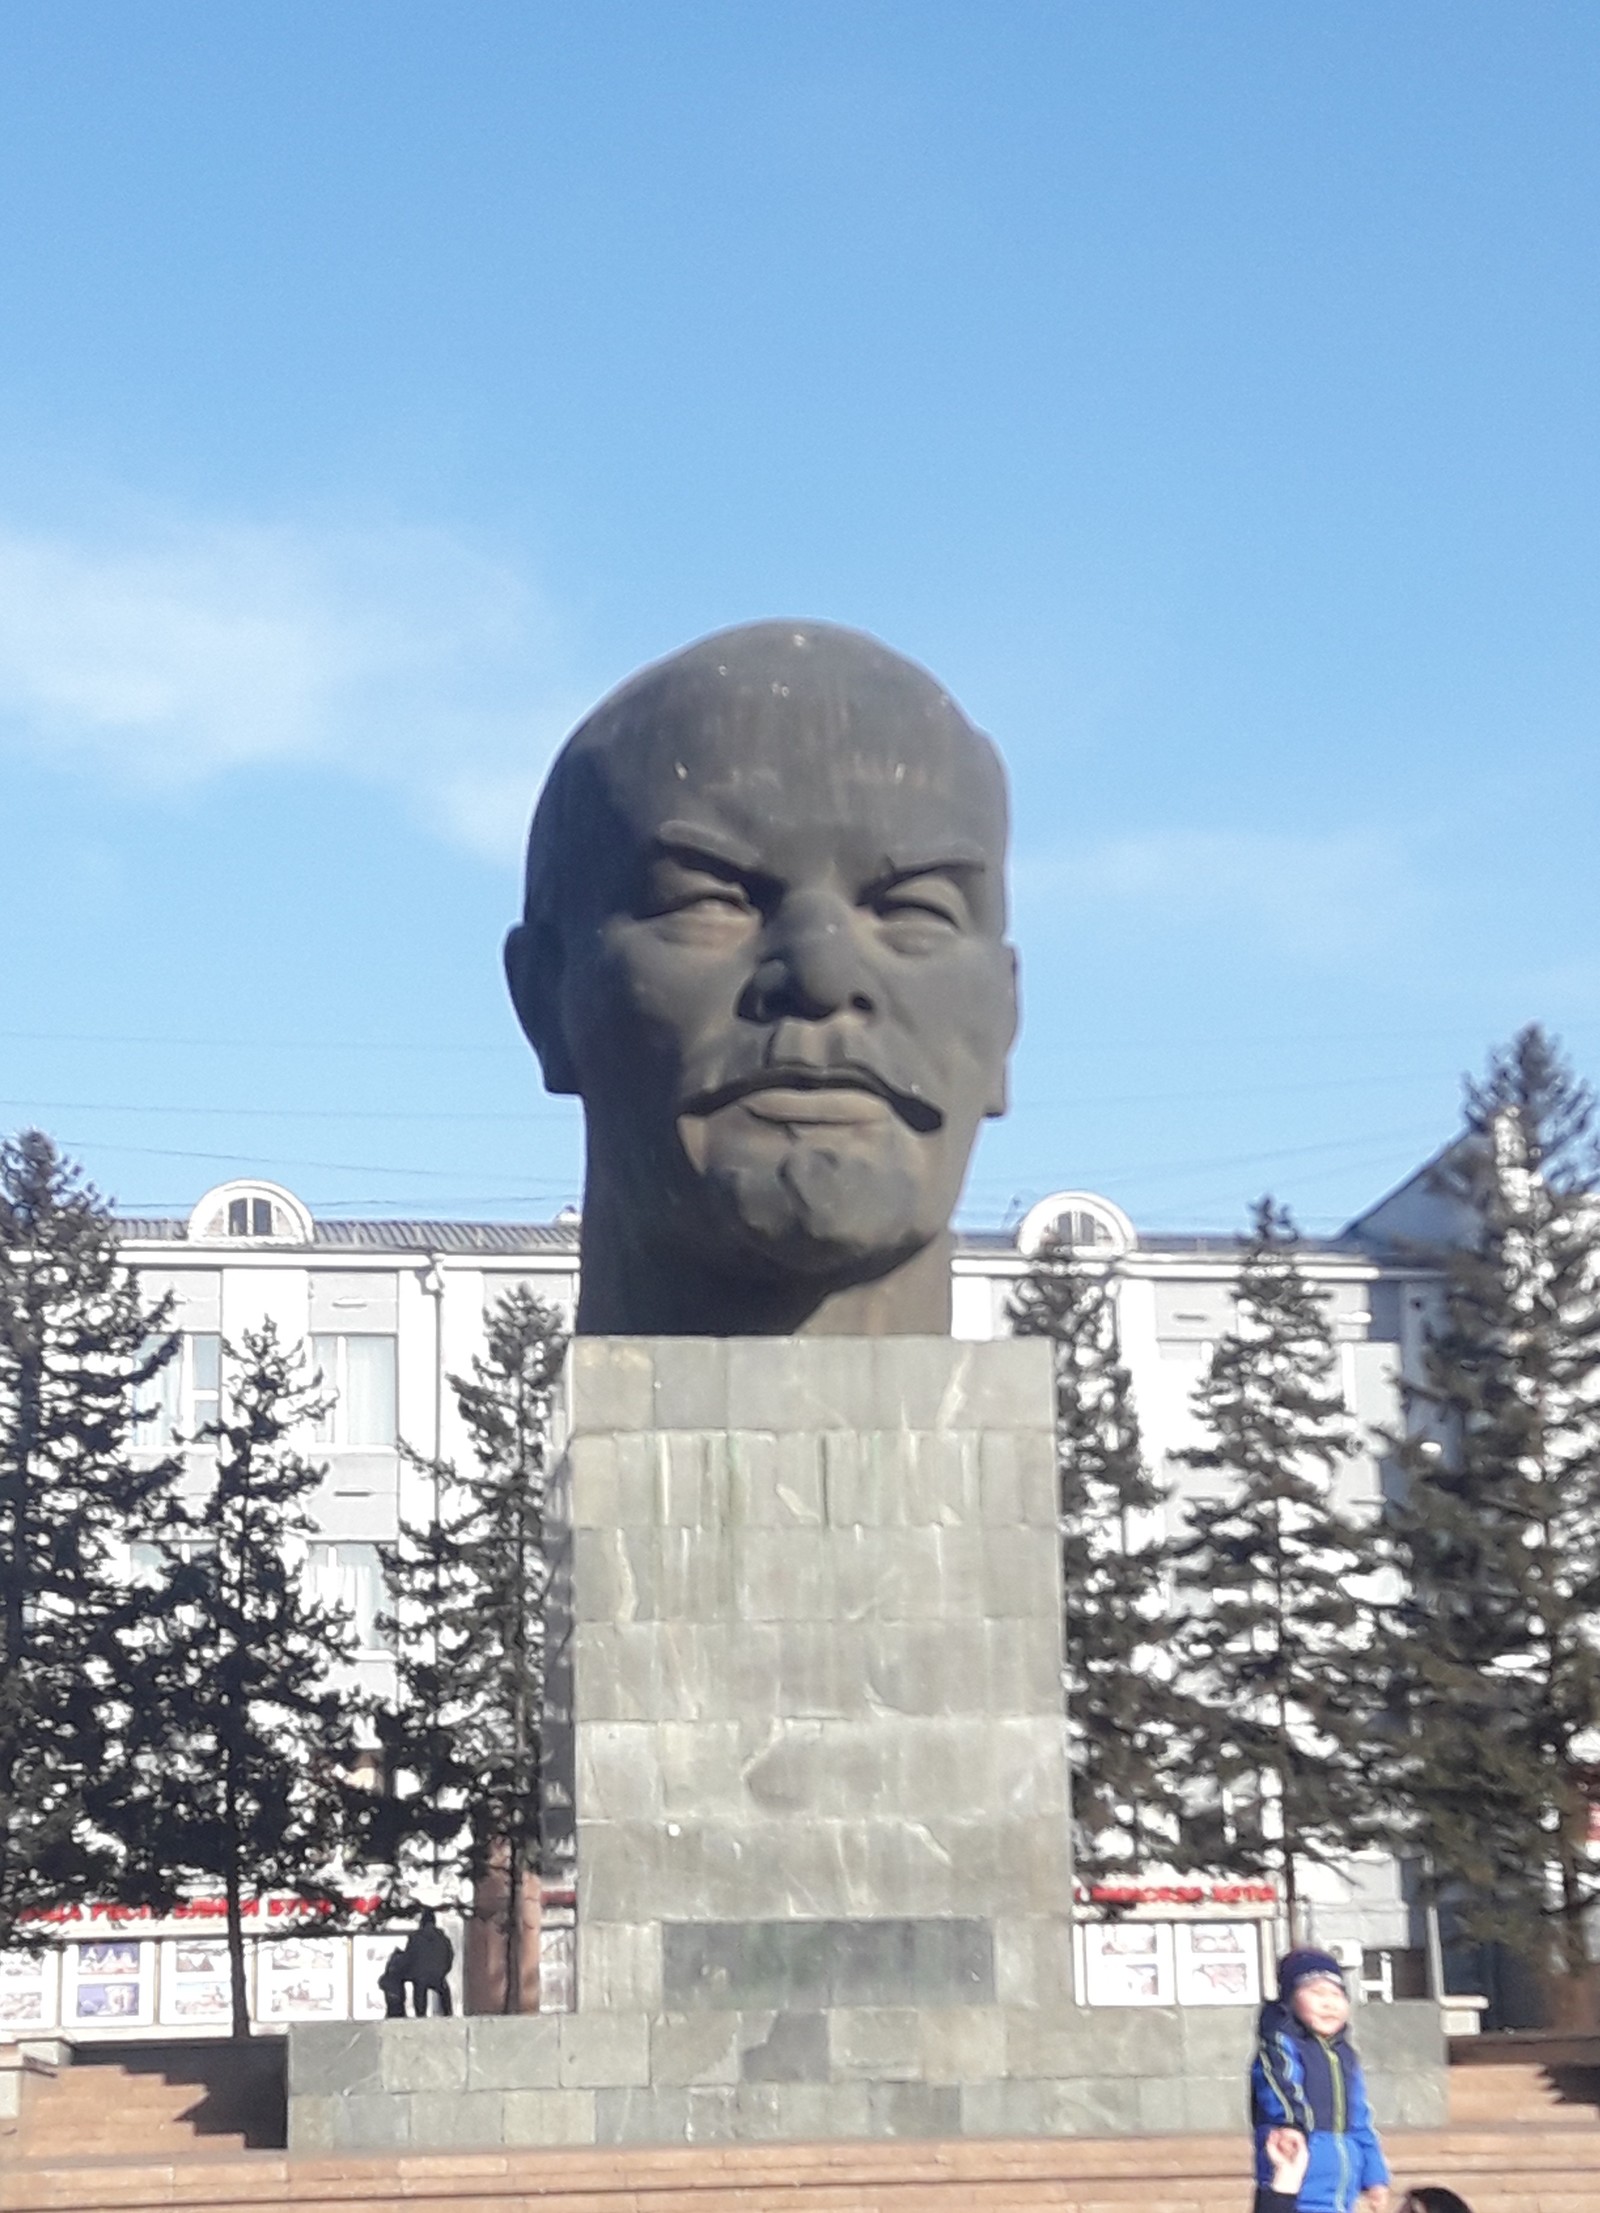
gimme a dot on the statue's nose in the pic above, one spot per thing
(812, 966)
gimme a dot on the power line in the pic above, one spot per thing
(1073, 1101)
(1388, 1080)
(282, 1114)
(1104, 1041)
(259, 1044)
(253, 1161)
(1111, 1176)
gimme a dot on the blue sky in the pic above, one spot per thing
(1208, 394)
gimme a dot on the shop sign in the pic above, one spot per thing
(1123, 1895)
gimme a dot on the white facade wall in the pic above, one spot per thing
(1175, 1298)
(428, 1288)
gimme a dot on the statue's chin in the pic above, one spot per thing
(818, 1210)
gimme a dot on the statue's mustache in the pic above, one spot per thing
(780, 1061)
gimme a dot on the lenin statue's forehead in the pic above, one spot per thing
(793, 722)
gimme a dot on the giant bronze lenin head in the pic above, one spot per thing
(764, 941)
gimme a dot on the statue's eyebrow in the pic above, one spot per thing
(952, 856)
(697, 843)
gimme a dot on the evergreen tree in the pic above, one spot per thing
(78, 1344)
(1496, 1641)
(243, 1743)
(1122, 1706)
(1275, 1631)
(465, 1739)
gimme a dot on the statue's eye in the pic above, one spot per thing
(925, 901)
(709, 895)
(674, 888)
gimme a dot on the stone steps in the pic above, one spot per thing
(1526, 2091)
(1498, 2170)
(169, 2100)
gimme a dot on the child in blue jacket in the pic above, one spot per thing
(1306, 2080)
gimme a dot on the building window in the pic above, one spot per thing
(358, 1375)
(263, 1212)
(186, 1395)
(350, 1577)
(1081, 1221)
(153, 1561)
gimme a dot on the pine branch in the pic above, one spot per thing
(1121, 1704)
(470, 1591)
(244, 1739)
(1275, 1636)
(1494, 1648)
(78, 1347)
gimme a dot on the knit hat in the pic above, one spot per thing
(1305, 1965)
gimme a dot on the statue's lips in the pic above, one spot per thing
(843, 1098)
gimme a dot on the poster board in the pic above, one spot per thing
(195, 1989)
(368, 1957)
(1127, 1963)
(30, 1991)
(109, 1982)
(1217, 1963)
(303, 1978)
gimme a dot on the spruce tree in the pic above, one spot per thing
(1122, 1705)
(78, 1346)
(243, 1741)
(466, 1736)
(1275, 1632)
(1496, 1641)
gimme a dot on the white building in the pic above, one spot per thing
(392, 1308)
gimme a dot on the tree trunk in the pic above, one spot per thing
(1286, 1815)
(488, 1949)
(1574, 1942)
(236, 1974)
(512, 2000)
(235, 1904)
(18, 1580)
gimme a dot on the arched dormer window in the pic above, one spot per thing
(1080, 1220)
(250, 1212)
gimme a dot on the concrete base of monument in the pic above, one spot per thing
(805, 1710)
(840, 2073)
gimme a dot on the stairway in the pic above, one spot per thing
(1508, 2169)
(148, 2101)
(1529, 2079)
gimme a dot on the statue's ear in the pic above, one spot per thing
(1011, 1015)
(533, 971)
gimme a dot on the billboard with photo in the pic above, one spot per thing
(109, 1982)
(368, 1957)
(30, 1991)
(195, 1988)
(303, 1978)
(1127, 1963)
(1217, 1963)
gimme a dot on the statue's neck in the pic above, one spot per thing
(628, 1289)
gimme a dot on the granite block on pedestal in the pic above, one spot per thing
(853, 2072)
(816, 1659)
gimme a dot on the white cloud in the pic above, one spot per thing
(400, 656)
(1310, 896)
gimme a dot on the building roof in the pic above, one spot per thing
(510, 1238)
(429, 1237)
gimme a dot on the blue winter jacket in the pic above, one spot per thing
(1314, 2084)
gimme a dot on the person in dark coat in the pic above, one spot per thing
(1306, 2079)
(429, 1957)
(392, 1982)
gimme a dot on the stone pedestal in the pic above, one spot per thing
(816, 1677)
(819, 1776)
